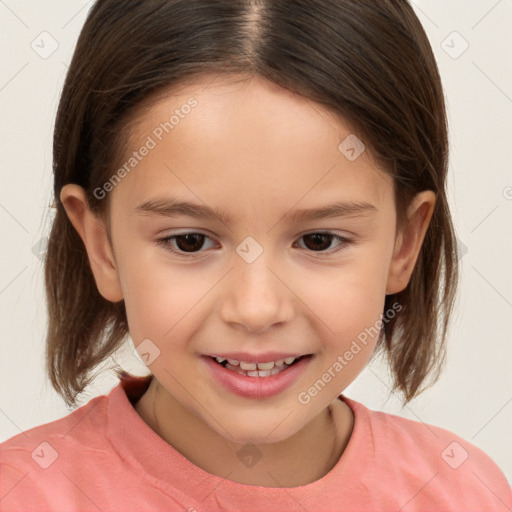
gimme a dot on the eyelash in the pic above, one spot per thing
(166, 243)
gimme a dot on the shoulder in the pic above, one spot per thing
(35, 456)
(82, 425)
(437, 461)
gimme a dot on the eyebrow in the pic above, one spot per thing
(169, 207)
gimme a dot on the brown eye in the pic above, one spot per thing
(190, 242)
(182, 244)
(320, 242)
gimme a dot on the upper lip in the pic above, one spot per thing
(264, 357)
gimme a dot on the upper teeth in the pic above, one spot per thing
(244, 365)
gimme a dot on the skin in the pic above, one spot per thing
(257, 152)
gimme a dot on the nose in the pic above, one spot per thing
(255, 297)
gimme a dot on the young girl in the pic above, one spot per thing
(254, 192)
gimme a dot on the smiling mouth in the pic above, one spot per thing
(258, 369)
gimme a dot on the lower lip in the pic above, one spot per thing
(257, 387)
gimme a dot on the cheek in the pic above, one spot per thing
(354, 330)
(159, 296)
(349, 303)
(349, 328)
(349, 295)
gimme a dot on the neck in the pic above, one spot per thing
(305, 457)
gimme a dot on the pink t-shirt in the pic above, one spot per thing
(102, 457)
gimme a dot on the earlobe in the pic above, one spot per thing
(409, 241)
(93, 232)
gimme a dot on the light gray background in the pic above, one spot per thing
(473, 397)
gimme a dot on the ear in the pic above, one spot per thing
(93, 232)
(409, 241)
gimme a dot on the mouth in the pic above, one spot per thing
(263, 377)
(258, 369)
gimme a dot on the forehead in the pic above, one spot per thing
(239, 142)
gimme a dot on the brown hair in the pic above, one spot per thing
(369, 62)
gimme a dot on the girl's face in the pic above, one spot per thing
(261, 171)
